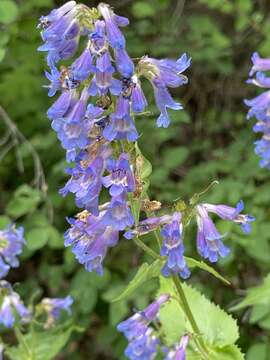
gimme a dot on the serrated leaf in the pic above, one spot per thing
(42, 345)
(256, 295)
(145, 273)
(218, 328)
(202, 265)
(230, 352)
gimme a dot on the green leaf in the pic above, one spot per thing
(25, 200)
(42, 345)
(258, 351)
(145, 273)
(256, 295)
(202, 265)
(230, 352)
(142, 9)
(8, 11)
(56, 240)
(4, 221)
(145, 167)
(218, 328)
(36, 238)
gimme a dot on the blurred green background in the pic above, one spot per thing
(209, 140)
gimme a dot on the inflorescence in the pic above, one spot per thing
(100, 93)
(260, 107)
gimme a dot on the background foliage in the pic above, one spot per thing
(209, 140)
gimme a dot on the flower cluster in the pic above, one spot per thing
(11, 244)
(11, 306)
(260, 107)
(143, 344)
(209, 240)
(100, 92)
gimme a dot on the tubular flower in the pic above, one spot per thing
(209, 240)
(162, 74)
(173, 248)
(146, 226)
(260, 107)
(209, 243)
(226, 212)
(86, 179)
(121, 178)
(11, 305)
(90, 240)
(100, 92)
(142, 342)
(179, 352)
(11, 244)
(53, 308)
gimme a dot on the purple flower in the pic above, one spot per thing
(143, 348)
(53, 308)
(146, 226)
(260, 108)
(137, 324)
(90, 240)
(173, 248)
(179, 353)
(62, 105)
(11, 304)
(86, 179)
(162, 74)
(54, 78)
(121, 178)
(71, 129)
(262, 149)
(209, 244)
(121, 125)
(119, 215)
(11, 244)
(112, 21)
(82, 67)
(259, 64)
(226, 212)
(60, 33)
(124, 64)
(138, 100)
(56, 14)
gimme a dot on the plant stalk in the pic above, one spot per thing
(188, 312)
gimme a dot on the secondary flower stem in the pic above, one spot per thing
(146, 248)
(189, 315)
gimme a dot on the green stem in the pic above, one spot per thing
(146, 248)
(189, 315)
(22, 341)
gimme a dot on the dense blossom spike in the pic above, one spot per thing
(260, 107)
(11, 305)
(11, 244)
